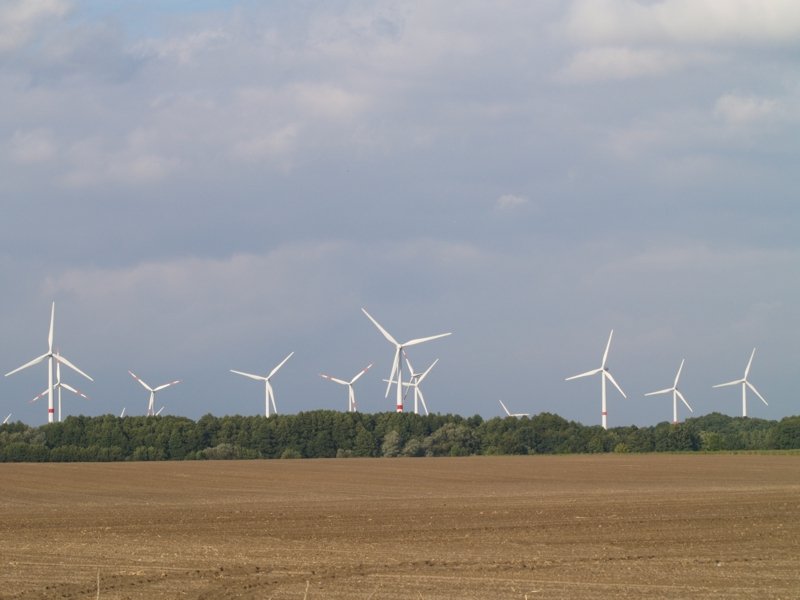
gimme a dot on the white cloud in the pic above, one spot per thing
(33, 146)
(740, 109)
(693, 21)
(185, 48)
(20, 18)
(137, 160)
(273, 147)
(601, 63)
(510, 202)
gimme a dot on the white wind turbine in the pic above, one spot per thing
(676, 393)
(745, 384)
(59, 385)
(606, 375)
(151, 402)
(416, 379)
(351, 394)
(397, 366)
(50, 356)
(269, 395)
(510, 414)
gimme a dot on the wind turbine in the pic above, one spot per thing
(416, 379)
(517, 415)
(351, 395)
(269, 395)
(150, 404)
(50, 355)
(606, 375)
(676, 393)
(59, 385)
(397, 366)
(745, 384)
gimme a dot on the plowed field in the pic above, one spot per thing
(610, 526)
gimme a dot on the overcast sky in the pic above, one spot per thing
(203, 186)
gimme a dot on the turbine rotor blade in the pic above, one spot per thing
(752, 387)
(166, 385)
(608, 346)
(42, 395)
(63, 360)
(425, 374)
(66, 386)
(666, 391)
(408, 362)
(283, 362)
(52, 324)
(144, 385)
(395, 367)
(587, 374)
(737, 382)
(422, 399)
(684, 400)
(749, 362)
(612, 380)
(416, 341)
(678, 376)
(504, 407)
(334, 379)
(35, 361)
(357, 377)
(385, 333)
(250, 375)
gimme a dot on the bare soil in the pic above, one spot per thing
(607, 526)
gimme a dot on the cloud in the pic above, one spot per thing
(684, 21)
(596, 64)
(137, 160)
(185, 48)
(740, 109)
(19, 20)
(32, 146)
(508, 202)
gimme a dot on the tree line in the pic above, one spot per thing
(329, 434)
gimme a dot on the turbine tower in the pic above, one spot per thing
(269, 395)
(606, 375)
(676, 393)
(510, 414)
(745, 384)
(50, 356)
(59, 385)
(151, 403)
(397, 366)
(351, 394)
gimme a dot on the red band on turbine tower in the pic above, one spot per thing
(604, 413)
(399, 408)
(51, 410)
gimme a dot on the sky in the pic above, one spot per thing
(205, 186)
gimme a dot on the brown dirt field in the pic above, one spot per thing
(609, 526)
